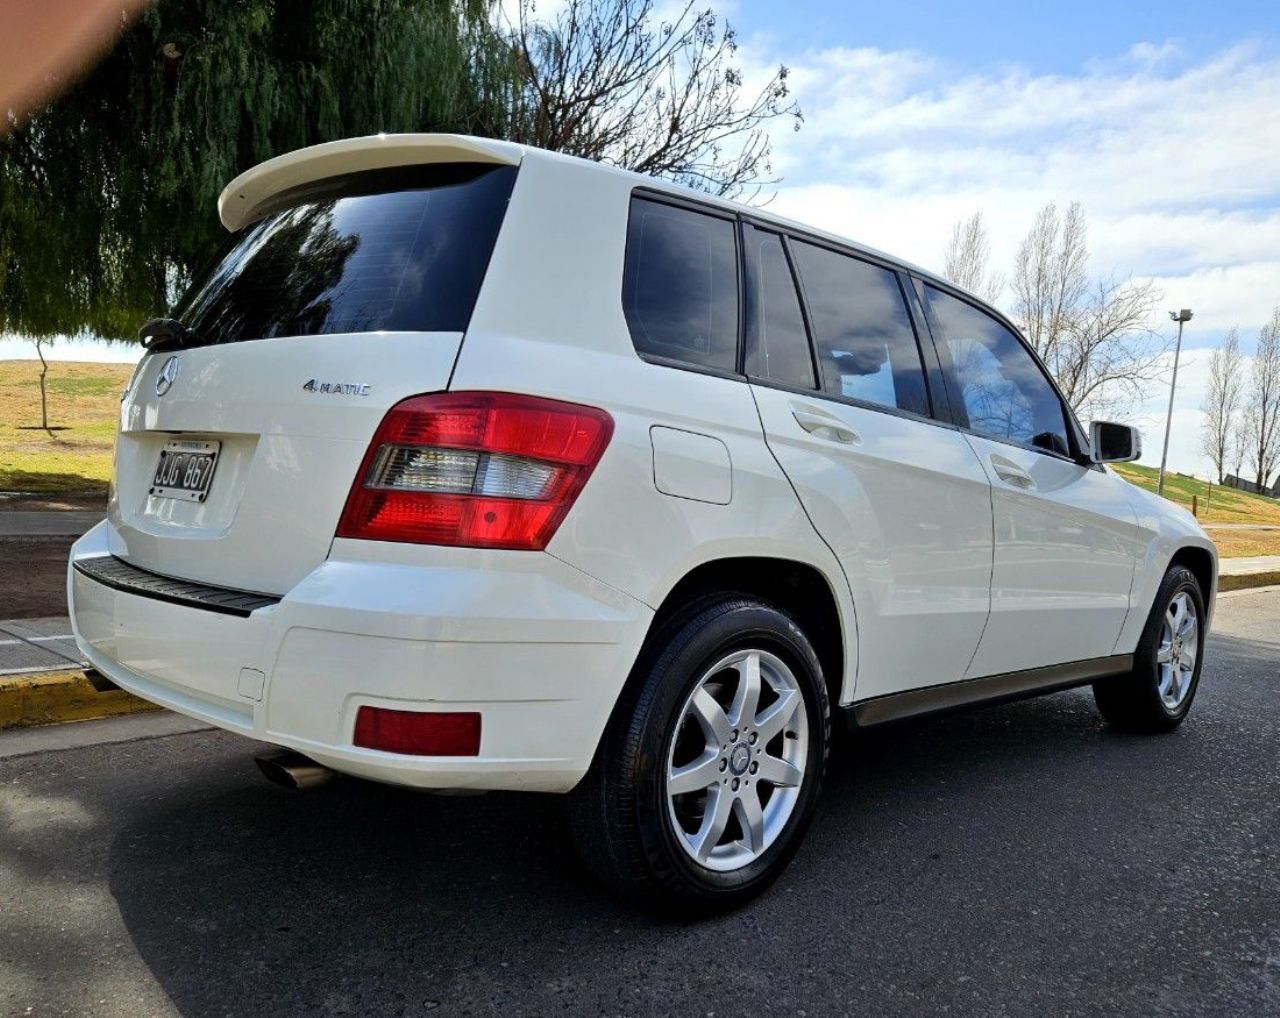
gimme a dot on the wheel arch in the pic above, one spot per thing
(1203, 566)
(797, 588)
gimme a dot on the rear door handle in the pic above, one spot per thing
(1011, 474)
(824, 425)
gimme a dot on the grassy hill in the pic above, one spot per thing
(1214, 503)
(84, 400)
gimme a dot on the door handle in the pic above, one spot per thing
(1011, 474)
(824, 426)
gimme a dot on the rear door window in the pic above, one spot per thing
(398, 250)
(680, 285)
(777, 343)
(866, 346)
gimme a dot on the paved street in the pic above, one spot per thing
(1022, 860)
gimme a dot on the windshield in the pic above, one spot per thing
(399, 250)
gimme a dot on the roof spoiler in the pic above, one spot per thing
(241, 200)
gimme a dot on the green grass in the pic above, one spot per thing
(84, 400)
(1214, 503)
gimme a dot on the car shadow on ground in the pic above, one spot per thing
(942, 848)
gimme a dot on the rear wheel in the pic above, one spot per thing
(1156, 696)
(710, 769)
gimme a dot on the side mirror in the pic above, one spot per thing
(1114, 443)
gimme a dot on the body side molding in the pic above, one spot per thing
(987, 690)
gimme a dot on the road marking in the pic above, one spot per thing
(35, 639)
(34, 669)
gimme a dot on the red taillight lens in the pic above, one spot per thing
(474, 469)
(418, 733)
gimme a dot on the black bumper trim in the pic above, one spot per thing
(120, 575)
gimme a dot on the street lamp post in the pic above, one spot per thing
(1180, 317)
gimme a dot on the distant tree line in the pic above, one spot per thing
(107, 194)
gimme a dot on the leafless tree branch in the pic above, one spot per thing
(605, 80)
(965, 261)
(1095, 337)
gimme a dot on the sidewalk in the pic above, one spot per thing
(37, 645)
(47, 522)
(1258, 571)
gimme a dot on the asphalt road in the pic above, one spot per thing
(1022, 860)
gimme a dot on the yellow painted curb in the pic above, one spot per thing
(1241, 581)
(46, 698)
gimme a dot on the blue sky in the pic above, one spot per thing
(1045, 37)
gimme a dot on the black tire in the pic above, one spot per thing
(1132, 702)
(619, 812)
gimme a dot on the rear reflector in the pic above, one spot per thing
(475, 470)
(418, 733)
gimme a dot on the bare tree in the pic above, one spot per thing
(1240, 442)
(1095, 337)
(1221, 404)
(44, 371)
(966, 259)
(608, 80)
(1264, 403)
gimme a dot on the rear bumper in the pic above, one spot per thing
(538, 648)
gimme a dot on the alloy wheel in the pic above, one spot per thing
(737, 761)
(1176, 654)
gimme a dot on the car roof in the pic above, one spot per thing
(244, 198)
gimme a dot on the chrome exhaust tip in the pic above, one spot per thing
(292, 770)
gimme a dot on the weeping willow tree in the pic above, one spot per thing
(107, 195)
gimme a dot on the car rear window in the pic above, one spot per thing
(397, 250)
(680, 285)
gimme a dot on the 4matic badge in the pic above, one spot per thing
(337, 388)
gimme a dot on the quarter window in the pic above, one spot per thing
(777, 344)
(680, 285)
(866, 346)
(1004, 392)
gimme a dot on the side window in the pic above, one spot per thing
(777, 344)
(866, 346)
(680, 285)
(1003, 390)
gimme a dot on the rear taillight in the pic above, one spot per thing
(475, 470)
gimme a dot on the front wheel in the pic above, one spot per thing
(710, 769)
(1156, 696)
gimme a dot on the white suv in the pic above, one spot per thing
(471, 466)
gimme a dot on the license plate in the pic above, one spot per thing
(185, 469)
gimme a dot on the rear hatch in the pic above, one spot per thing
(238, 444)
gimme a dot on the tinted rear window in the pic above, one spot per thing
(680, 285)
(400, 250)
(865, 342)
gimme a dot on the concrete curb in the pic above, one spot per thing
(46, 698)
(1242, 581)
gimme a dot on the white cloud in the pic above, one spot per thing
(1176, 168)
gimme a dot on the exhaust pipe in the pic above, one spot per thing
(292, 770)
